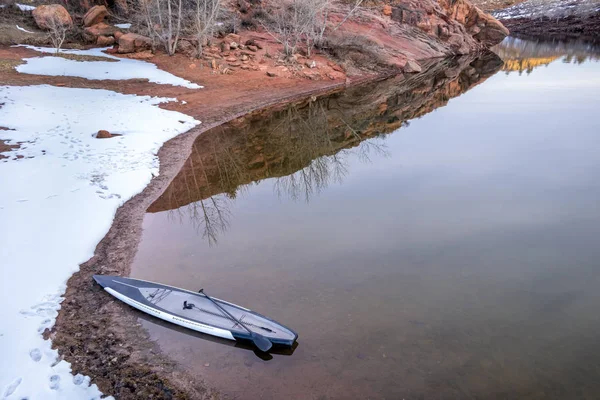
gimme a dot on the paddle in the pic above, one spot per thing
(259, 340)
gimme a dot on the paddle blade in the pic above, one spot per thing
(261, 342)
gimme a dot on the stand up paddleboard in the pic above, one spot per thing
(198, 311)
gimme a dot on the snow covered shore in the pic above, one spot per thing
(60, 191)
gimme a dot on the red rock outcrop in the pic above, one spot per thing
(46, 15)
(132, 42)
(399, 31)
(92, 33)
(95, 15)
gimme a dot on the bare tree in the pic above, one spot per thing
(297, 21)
(205, 21)
(163, 21)
(57, 32)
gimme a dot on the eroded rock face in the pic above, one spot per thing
(46, 15)
(95, 15)
(387, 37)
(458, 22)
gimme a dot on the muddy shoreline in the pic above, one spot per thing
(100, 336)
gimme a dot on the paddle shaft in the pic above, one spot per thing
(226, 312)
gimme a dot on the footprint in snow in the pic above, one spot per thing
(12, 387)
(35, 354)
(78, 379)
(54, 382)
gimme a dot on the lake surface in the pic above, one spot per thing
(433, 236)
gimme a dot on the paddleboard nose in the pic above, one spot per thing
(103, 280)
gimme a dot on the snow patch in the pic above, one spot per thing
(25, 7)
(124, 68)
(23, 29)
(123, 26)
(56, 204)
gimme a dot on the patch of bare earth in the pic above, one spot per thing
(4, 147)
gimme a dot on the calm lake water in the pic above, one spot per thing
(429, 237)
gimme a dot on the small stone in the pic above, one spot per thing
(233, 45)
(103, 134)
(412, 66)
(311, 64)
(207, 365)
(252, 48)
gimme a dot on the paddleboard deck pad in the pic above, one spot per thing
(194, 310)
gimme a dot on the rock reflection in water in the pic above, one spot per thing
(526, 55)
(304, 146)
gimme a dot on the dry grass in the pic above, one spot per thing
(9, 65)
(79, 57)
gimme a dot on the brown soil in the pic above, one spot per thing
(6, 147)
(586, 28)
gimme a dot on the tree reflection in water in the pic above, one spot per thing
(305, 146)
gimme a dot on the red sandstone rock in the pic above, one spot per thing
(105, 41)
(101, 29)
(102, 134)
(132, 42)
(95, 15)
(46, 15)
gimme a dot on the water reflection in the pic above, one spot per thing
(306, 146)
(526, 55)
(276, 350)
(464, 265)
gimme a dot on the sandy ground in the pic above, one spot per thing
(100, 336)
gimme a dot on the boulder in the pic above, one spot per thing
(105, 41)
(46, 15)
(101, 29)
(132, 42)
(118, 34)
(95, 15)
